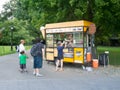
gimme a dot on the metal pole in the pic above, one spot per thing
(11, 38)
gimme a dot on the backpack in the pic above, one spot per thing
(17, 48)
(36, 50)
(32, 51)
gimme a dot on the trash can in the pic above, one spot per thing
(103, 59)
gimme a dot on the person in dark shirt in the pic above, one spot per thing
(37, 53)
(60, 48)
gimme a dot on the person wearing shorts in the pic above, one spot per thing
(37, 53)
(37, 62)
(60, 48)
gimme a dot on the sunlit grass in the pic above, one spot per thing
(114, 54)
(4, 50)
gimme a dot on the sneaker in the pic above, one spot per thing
(25, 70)
(39, 75)
(34, 73)
(61, 69)
(56, 70)
(21, 70)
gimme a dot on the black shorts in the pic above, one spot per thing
(23, 66)
(37, 62)
(60, 57)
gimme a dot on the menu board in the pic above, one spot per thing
(61, 30)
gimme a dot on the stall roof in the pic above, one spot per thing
(68, 24)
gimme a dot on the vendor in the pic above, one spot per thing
(69, 42)
(69, 38)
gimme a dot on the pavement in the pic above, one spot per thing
(72, 78)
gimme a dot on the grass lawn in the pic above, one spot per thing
(4, 50)
(114, 54)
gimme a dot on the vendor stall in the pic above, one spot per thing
(78, 36)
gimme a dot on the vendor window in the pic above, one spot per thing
(78, 39)
(58, 37)
(66, 38)
(69, 41)
(49, 40)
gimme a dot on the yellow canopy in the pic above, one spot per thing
(68, 24)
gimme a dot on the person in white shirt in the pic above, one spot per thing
(21, 46)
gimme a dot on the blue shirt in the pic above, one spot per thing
(60, 50)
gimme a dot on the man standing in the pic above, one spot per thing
(37, 53)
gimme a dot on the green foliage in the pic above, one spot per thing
(19, 32)
(107, 17)
(29, 15)
(4, 50)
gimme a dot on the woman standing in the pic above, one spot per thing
(22, 47)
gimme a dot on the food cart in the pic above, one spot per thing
(78, 37)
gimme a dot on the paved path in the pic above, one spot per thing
(72, 78)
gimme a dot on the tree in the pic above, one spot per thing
(104, 13)
(107, 17)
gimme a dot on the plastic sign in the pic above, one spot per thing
(62, 30)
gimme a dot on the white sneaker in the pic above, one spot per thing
(39, 75)
(34, 73)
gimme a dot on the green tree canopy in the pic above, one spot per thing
(31, 14)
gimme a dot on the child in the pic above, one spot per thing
(60, 48)
(22, 59)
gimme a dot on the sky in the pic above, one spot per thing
(2, 2)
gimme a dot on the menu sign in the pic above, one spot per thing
(62, 30)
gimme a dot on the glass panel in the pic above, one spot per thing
(49, 38)
(58, 37)
(78, 39)
(66, 38)
(85, 40)
(69, 41)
